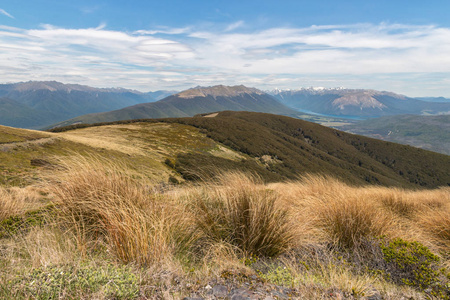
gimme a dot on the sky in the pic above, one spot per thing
(396, 45)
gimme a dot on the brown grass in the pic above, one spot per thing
(437, 223)
(100, 201)
(194, 232)
(348, 221)
(15, 201)
(240, 210)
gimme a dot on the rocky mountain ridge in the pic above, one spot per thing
(357, 102)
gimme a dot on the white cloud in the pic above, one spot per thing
(164, 30)
(378, 56)
(234, 26)
(90, 9)
(4, 12)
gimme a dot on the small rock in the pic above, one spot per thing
(208, 287)
(220, 291)
(375, 296)
(279, 295)
(239, 297)
(37, 162)
(240, 294)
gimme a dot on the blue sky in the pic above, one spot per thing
(399, 46)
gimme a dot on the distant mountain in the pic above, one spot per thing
(426, 132)
(158, 95)
(46, 102)
(434, 99)
(15, 114)
(357, 103)
(191, 102)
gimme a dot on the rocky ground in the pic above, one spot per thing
(242, 287)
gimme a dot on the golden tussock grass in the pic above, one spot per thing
(195, 231)
(101, 201)
(436, 222)
(241, 211)
(15, 201)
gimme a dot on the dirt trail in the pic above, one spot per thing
(12, 145)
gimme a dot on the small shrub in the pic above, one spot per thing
(413, 264)
(279, 276)
(21, 223)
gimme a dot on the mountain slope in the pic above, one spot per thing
(426, 132)
(15, 114)
(359, 103)
(54, 101)
(191, 102)
(288, 148)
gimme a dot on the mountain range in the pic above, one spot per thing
(357, 102)
(36, 104)
(48, 104)
(191, 102)
(42, 104)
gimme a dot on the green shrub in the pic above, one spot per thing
(279, 276)
(413, 264)
(21, 223)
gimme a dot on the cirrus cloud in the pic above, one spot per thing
(5, 13)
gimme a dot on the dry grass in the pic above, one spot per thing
(241, 211)
(349, 220)
(104, 212)
(437, 223)
(15, 201)
(338, 213)
(101, 202)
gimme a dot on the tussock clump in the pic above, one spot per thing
(15, 201)
(347, 220)
(437, 223)
(243, 212)
(8, 205)
(102, 202)
(399, 204)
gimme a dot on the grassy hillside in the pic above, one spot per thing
(105, 212)
(290, 147)
(426, 132)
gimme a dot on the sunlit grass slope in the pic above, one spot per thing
(25, 155)
(289, 147)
